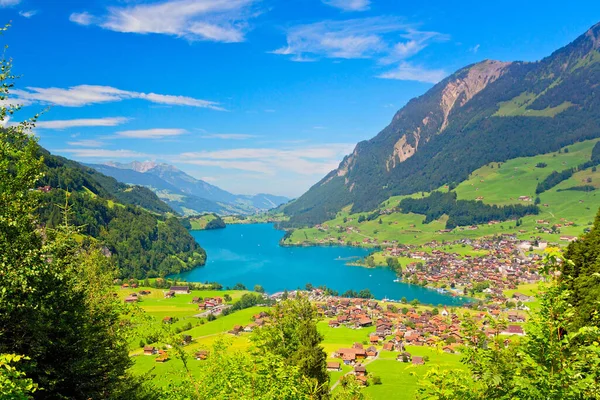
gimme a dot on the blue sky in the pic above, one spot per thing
(253, 96)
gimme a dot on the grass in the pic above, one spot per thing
(400, 380)
(200, 222)
(499, 184)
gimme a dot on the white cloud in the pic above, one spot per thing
(315, 160)
(84, 122)
(228, 136)
(349, 5)
(409, 72)
(151, 133)
(9, 3)
(86, 143)
(475, 48)
(28, 14)
(82, 95)
(212, 20)
(374, 38)
(83, 18)
(102, 153)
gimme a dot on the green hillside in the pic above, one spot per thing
(136, 228)
(494, 184)
(489, 112)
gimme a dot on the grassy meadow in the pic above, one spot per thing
(496, 183)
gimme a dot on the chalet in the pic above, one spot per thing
(371, 351)
(125, 286)
(201, 355)
(333, 366)
(365, 321)
(520, 297)
(196, 300)
(131, 299)
(362, 380)
(170, 294)
(162, 356)
(568, 238)
(404, 357)
(514, 330)
(389, 346)
(334, 323)
(186, 339)
(360, 370)
(180, 289)
(150, 350)
(236, 330)
(416, 360)
(144, 292)
(524, 198)
(167, 320)
(250, 327)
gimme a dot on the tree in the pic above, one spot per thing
(227, 297)
(292, 334)
(239, 286)
(56, 303)
(259, 289)
(582, 275)
(228, 374)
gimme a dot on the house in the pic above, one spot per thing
(371, 351)
(180, 289)
(167, 320)
(162, 357)
(131, 299)
(186, 339)
(150, 350)
(514, 330)
(236, 330)
(362, 380)
(250, 327)
(568, 238)
(169, 295)
(196, 300)
(404, 357)
(333, 366)
(416, 360)
(520, 297)
(360, 370)
(125, 286)
(145, 292)
(201, 355)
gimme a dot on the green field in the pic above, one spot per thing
(199, 223)
(496, 183)
(399, 379)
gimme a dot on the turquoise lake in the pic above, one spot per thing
(251, 255)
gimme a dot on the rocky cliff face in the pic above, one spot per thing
(454, 128)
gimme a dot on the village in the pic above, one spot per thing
(397, 329)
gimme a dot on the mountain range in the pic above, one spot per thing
(186, 194)
(487, 112)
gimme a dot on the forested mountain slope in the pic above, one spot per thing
(487, 112)
(138, 230)
(186, 194)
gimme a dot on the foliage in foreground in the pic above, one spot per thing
(58, 317)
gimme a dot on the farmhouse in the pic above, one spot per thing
(180, 289)
(333, 366)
